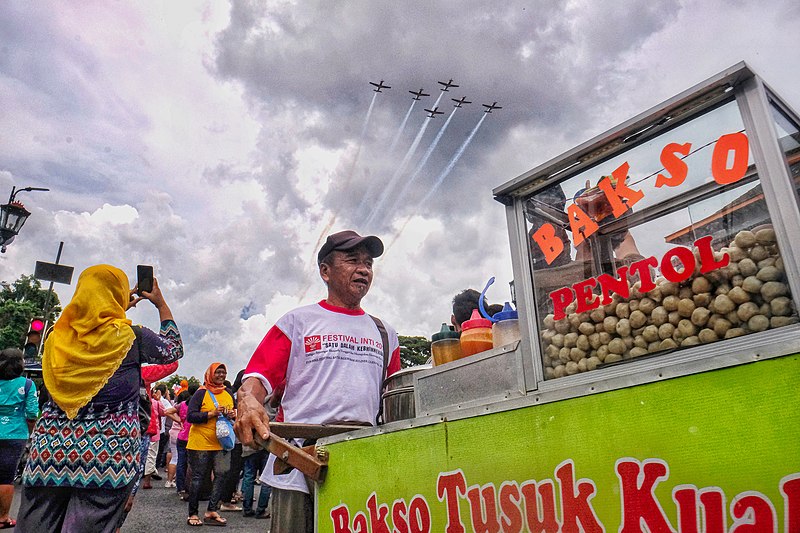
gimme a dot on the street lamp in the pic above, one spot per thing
(12, 216)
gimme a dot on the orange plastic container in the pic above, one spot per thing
(476, 335)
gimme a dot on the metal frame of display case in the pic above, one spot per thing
(752, 97)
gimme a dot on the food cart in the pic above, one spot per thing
(655, 386)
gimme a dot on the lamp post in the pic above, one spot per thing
(12, 216)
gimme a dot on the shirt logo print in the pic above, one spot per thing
(312, 343)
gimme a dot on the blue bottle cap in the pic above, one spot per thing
(508, 313)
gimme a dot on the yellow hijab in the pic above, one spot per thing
(90, 339)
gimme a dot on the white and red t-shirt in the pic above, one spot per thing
(329, 362)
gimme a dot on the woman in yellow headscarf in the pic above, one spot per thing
(84, 457)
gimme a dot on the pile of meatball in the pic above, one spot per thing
(748, 295)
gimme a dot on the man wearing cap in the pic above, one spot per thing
(325, 362)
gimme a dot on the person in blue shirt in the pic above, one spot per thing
(19, 408)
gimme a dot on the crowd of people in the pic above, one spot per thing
(109, 425)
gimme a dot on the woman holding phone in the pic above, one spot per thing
(91, 367)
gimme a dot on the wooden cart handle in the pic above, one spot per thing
(311, 461)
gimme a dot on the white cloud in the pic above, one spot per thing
(114, 214)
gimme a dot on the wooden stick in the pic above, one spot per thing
(312, 462)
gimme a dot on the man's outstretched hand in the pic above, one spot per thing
(252, 417)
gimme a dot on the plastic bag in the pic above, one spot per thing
(225, 434)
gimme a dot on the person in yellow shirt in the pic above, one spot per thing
(205, 453)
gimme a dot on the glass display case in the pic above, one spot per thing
(666, 236)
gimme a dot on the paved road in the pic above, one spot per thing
(160, 509)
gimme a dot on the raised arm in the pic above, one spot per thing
(166, 346)
(153, 373)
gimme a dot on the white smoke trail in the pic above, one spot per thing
(453, 161)
(348, 177)
(362, 205)
(401, 168)
(387, 191)
(402, 127)
(427, 155)
(438, 183)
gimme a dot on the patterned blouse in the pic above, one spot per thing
(99, 448)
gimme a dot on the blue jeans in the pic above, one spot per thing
(252, 466)
(180, 469)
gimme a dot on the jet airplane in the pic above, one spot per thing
(418, 94)
(459, 101)
(447, 84)
(433, 112)
(379, 86)
(490, 107)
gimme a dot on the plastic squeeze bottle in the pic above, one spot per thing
(476, 335)
(505, 329)
(445, 346)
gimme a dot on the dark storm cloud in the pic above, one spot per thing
(538, 60)
(323, 53)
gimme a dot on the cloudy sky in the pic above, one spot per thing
(220, 141)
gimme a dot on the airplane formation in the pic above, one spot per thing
(446, 86)
(388, 189)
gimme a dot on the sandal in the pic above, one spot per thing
(8, 523)
(229, 507)
(194, 521)
(215, 521)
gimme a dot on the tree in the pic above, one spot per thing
(175, 379)
(19, 303)
(414, 350)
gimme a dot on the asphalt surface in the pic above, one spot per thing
(160, 509)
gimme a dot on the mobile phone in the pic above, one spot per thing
(144, 278)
